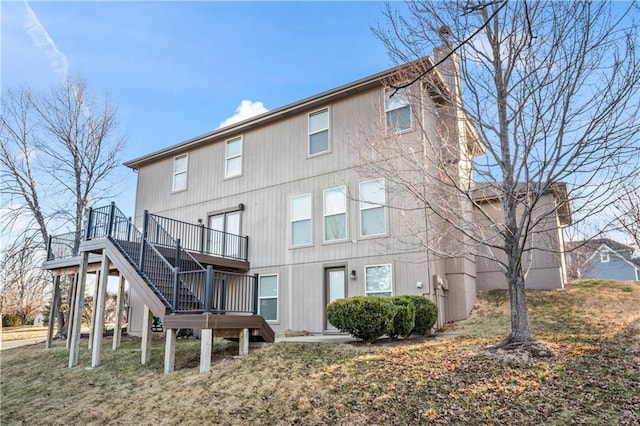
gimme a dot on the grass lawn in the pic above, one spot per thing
(23, 332)
(593, 326)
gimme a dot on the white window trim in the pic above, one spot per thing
(361, 208)
(369, 293)
(185, 172)
(386, 110)
(310, 219)
(277, 297)
(226, 159)
(325, 215)
(309, 133)
(604, 257)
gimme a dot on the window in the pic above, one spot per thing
(268, 297)
(319, 131)
(233, 158)
(180, 172)
(301, 220)
(224, 234)
(604, 256)
(397, 110)
(378, 280)
(372, 211)
(335, 214)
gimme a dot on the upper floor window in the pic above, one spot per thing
(233, 158)
(301, 220)
(268, 295)
(319, 131)
(335, 214)
(180, 172)
(397, 109)
(373, 219)
(378, 280)
(604, 256)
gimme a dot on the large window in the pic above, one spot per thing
(180, 172)
(335, 214)
(378, 280)
(319, 131)
(268, 296)
(373, 219)
(301, 220)
(233, 158)
(397, 110)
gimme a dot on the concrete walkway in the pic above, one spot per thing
(333, 338)
(17, 343)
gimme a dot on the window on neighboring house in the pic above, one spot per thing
(233, 158)
(604, 256)
(397, 109)
(335, 214)
(180, 172)
(372, 211)
(268, 296)
(319, 131)
(378, 280)
(301, 220)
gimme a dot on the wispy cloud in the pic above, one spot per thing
(246, 109)
(43, 41)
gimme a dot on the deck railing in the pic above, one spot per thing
(63, 245)
(198, 238)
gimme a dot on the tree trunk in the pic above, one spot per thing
(520, 332)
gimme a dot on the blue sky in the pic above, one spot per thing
(178, 69)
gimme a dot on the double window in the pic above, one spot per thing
(268, 297)
(378, 280)
(301, 220)
(397, 109)
(180, 172)
(319, 131)
(224, 238)
(233, 158)
(373, 220)
(335, 214)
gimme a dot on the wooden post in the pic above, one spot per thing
(244, 342)
(74, 353)
(93, 308)
(117, 331)
(206, 340)
(98, 322)
(170, 351)
(72, 303)
(54, 311)
(147, 319)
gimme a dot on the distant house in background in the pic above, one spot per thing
(606, 259)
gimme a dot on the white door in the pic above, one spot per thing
(335, 289)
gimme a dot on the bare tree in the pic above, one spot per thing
(627, 214)
(22, 282)
(58, 153)
(550, 108)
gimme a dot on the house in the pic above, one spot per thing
(270, 219)
(606, 259)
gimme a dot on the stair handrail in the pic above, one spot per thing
(160, 232)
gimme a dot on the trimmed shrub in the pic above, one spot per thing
(364, 317)
(404, 319)
(10, 320)
(426, 313)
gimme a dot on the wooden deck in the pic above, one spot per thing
(227, 325)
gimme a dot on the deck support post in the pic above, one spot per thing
(94, 307)
(147, 320)
(54, 311)
(170, 351)
(206, 341)
(76, 326)
(98, 322)
(72, 304)
(117, 331)
(244, 342)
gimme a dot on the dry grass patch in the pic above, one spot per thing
(596, 380)
(23, 332)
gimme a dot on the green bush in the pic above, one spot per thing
(404, 319)
(10, 320)
(426, 313)
(366, 318)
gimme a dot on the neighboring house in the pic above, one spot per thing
(607, 259)
(282, 201)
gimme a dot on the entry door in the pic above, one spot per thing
(221, 243)
(335, 288)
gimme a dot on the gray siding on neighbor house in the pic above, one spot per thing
(616, 269)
